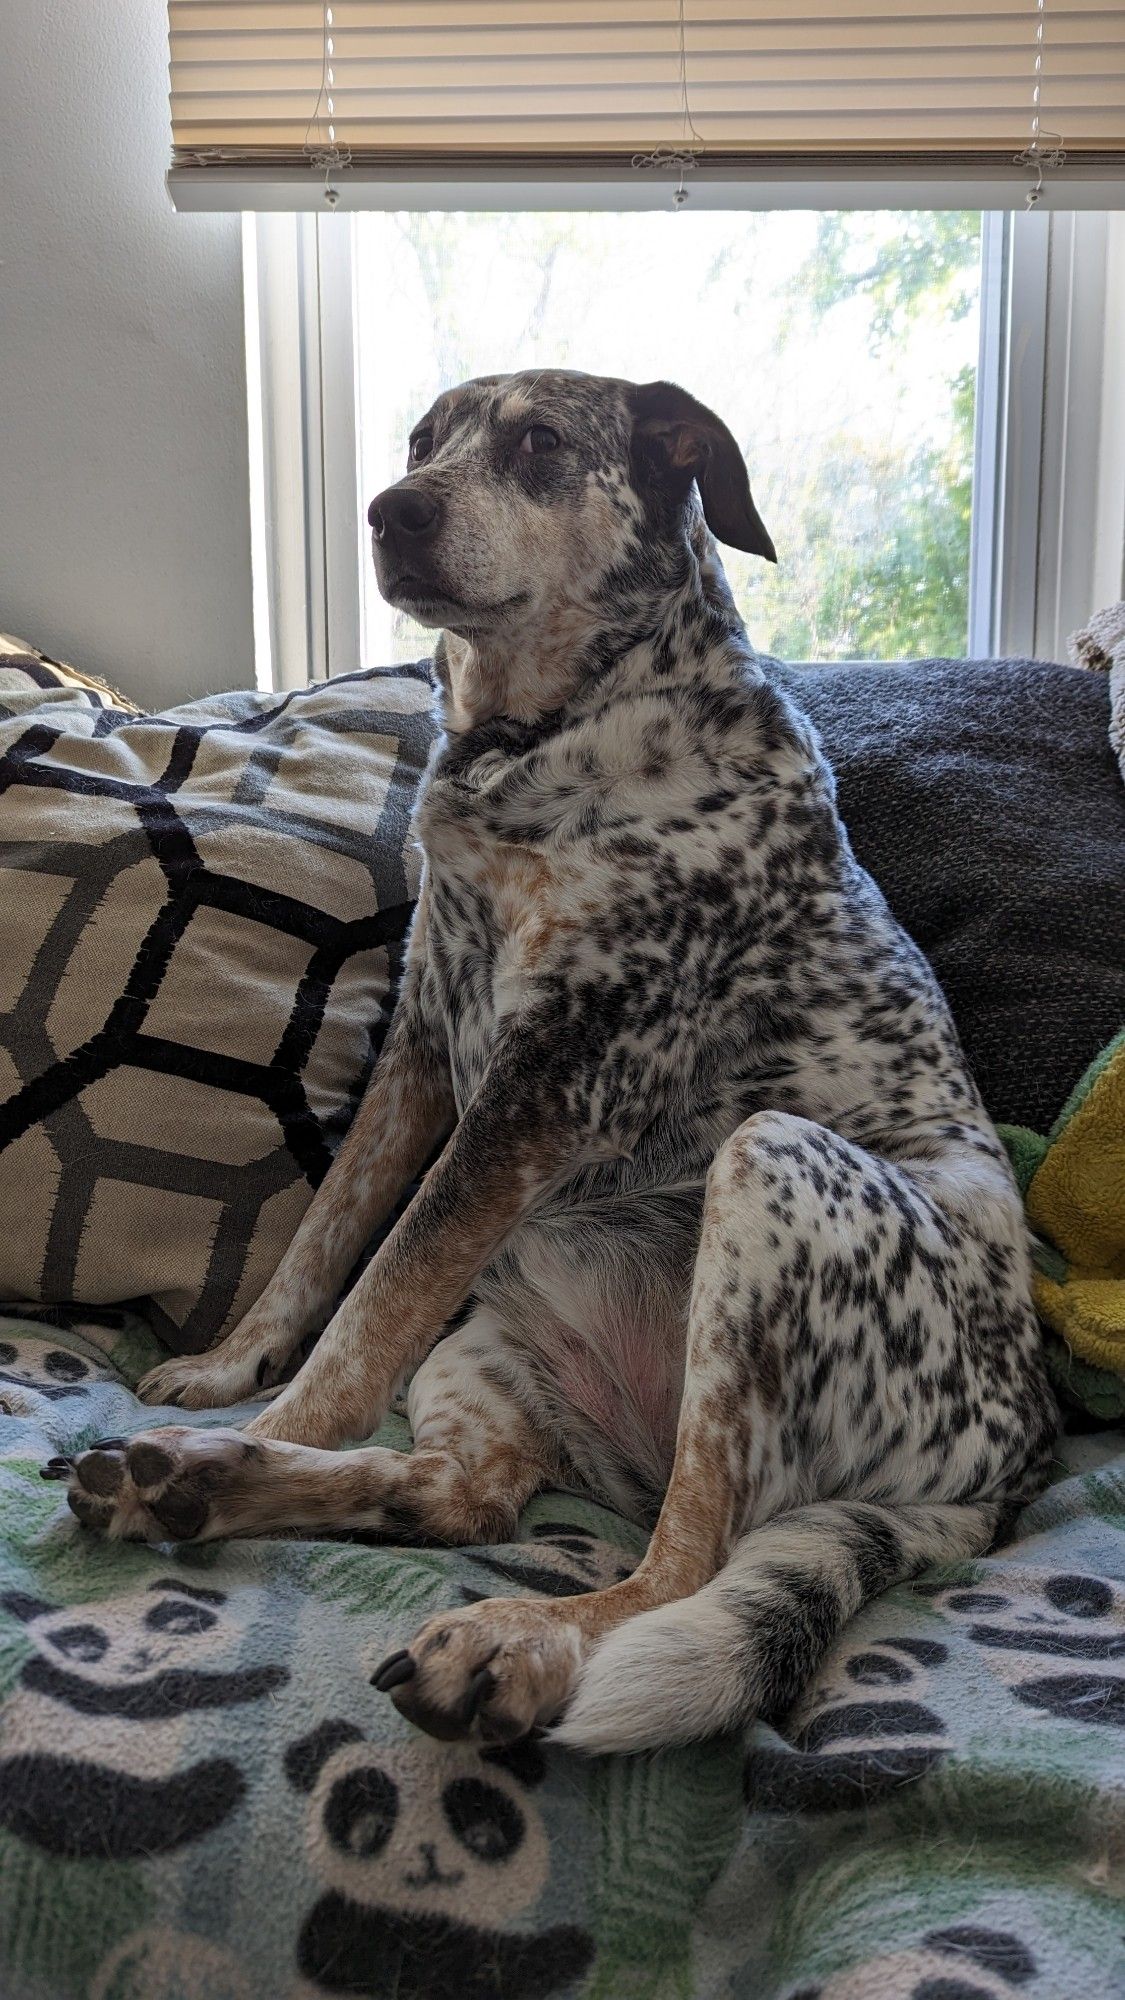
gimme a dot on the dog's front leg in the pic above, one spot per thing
(407, 1110)
(514, 1142)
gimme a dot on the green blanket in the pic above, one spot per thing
(203, 1798)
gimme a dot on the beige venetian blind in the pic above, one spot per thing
(589, 85)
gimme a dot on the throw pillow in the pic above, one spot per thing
(201, 915)
(23, 666)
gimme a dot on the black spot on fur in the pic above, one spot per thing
(877, 1670)
(483, 1818)
(196, 1590)
(950, 1989)
(1080, 1645)
(181, 1615)
(526, 1575)
(361, 1810)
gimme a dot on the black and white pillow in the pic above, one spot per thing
(201, 915)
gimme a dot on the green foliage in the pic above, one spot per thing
(928, 260)
(904, 590)
(879, 557)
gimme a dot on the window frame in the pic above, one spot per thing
(1048, 543)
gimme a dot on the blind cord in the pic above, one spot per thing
(332, 158)
(683, 158)
(1035, 156)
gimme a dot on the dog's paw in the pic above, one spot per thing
(209, 1381)
(491, 1673)
(166, 1485)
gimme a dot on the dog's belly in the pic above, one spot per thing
(597, 1306)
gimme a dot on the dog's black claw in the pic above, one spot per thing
(56, 1468)
(110, 1444)
(480, 1687)
(396, 1668)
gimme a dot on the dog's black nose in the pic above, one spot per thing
(404, 512)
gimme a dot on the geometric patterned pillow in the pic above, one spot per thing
(25, 666)
(201, 918)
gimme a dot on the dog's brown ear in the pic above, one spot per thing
(677, 439)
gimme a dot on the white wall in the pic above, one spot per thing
(124, 513)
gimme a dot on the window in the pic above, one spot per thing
(840, 348)
(921, 395)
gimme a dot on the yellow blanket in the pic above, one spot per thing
(1073, 1184)
(1073, 1181)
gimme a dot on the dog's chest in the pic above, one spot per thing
(504, 916)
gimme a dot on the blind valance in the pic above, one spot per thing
(589, 88)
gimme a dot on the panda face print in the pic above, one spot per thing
(92, 1764)
(864, 1729)
(1055, 1638)
(115, 1642)
(451, 1835)
(52, 1372)
(147, 1656)
(970, 1961)
(424, 1856)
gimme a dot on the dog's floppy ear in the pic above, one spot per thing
(677, 439)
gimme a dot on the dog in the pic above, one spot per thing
(717, 1229)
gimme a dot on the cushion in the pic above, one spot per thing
(24, 666)
(985, 799)
(201, 914)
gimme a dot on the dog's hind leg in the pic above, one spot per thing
(477, 1458)
(848, 1336)
(749, 1642)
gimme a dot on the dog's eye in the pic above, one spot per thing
(421, 447)
(538, 439)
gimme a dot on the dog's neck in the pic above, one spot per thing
(530, 671)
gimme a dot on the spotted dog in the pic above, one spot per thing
(722, 1228)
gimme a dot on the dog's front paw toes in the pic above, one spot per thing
(165, 1485)
(205, 1381)
(490, 1673)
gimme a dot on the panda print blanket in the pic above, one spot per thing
(202, 1797)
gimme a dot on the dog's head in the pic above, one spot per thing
(539, 510)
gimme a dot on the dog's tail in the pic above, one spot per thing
(750, 1640)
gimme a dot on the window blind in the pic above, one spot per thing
(589, 87)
